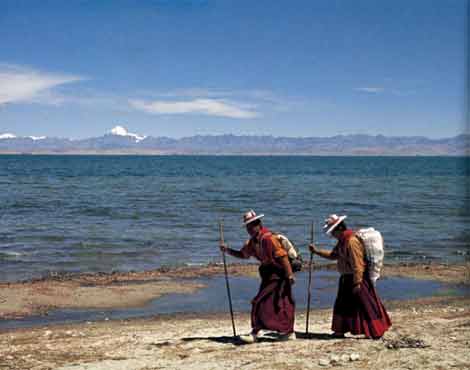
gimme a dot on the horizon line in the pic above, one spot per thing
(237, 135)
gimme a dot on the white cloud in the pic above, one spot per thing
(372, 90)
(210, 107)
(18, 84)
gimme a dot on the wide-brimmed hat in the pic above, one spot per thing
(251, 216)
(332, 221)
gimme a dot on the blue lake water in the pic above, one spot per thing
(121, 213)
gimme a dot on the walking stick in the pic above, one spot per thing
(309, 291)
(221, 229)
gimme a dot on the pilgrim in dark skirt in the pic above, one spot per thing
(273, 308)
(358, 308)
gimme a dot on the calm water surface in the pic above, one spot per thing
(121, 213)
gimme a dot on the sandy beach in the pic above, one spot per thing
(427, 333)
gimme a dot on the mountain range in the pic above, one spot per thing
(120, 141)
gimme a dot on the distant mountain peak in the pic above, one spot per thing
(7, 136)
(120, 141)
(122, 131)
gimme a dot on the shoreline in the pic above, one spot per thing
(445, 272)
(121, 290)
(429, 333)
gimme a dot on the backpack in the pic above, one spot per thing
(374, 247)
(295, 258)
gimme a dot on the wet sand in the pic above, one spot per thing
(135, 289)
(19, 300)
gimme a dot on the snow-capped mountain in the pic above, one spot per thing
(120, 141)
(13, 136)
(7, 136)
(122, 131)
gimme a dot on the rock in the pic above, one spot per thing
(47, 333)
(69, 332)
(324, 362)
(354, 356)
(345, 358)
(334, 358)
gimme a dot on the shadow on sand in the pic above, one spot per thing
(317, 336)
(268, 337)
(222, 339)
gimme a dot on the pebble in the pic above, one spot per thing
(354, 356)
(69, 332)
(47, 333)
(324, 362)
(334, 358)
(345, 358)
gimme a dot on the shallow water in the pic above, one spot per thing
(213, 298)
(121, 213)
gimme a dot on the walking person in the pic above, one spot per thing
(273, 308)
(357, 308)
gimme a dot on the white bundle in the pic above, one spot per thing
(374, 248)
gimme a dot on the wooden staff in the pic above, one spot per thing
(309, 290)
(221, 229)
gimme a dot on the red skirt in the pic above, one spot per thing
(361, 313)
(273, 308)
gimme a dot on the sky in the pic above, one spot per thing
(200, 67)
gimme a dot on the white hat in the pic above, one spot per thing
(250, 216)
(332, 221)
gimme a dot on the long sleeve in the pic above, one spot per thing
(331, 255)
(246, 251)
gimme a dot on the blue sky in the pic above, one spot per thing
(180, 68)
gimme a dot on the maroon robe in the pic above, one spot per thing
(273, 308)
(361, 313)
